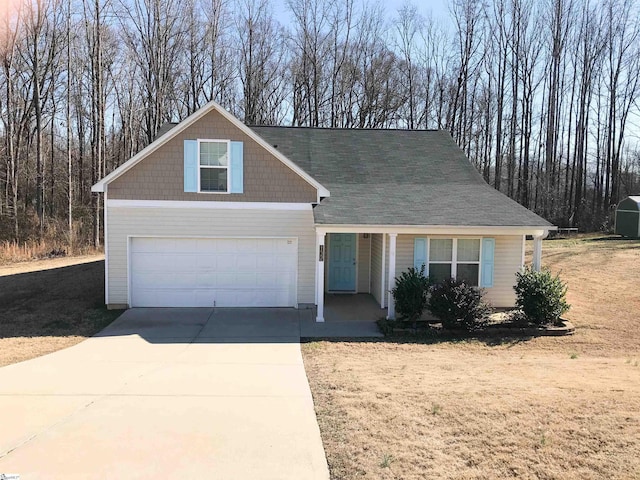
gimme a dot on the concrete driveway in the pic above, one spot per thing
(166, 393)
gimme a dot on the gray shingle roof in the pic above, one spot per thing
(396, 177)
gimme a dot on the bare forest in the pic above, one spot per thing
(542, 95)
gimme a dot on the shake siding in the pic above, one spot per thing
(508, 261)
(376, 264)
(123, 222)
(160, 176)
(363, 264)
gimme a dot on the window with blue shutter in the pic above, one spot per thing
(190, 165)
(237, 166)
(420, 254)
(488, 253)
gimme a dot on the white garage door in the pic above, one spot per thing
(206, 272)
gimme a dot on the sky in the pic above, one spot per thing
(439, 9)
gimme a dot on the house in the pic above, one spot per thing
(216, 213)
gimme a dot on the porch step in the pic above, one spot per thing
(309, 328)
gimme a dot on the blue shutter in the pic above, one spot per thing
(420, 254)
(190, 165)
(488, 250)
(237, 176)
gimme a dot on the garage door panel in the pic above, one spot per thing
(198, 272)
(265, 262)
(247, 261)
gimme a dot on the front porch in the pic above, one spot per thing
(357, 307)
(356, 266)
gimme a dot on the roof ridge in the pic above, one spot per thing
(355, 129)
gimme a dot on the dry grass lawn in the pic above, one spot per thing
(548, 408)
(47, 305)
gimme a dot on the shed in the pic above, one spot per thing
(628, 217)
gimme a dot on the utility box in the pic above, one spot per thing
(628, 217)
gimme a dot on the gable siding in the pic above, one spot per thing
(189, 223)
(508, 261)
(160, 176)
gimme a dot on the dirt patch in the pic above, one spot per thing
(565, 408)
(50, 304)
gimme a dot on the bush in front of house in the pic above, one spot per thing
(410, 294)
(541, 296)
(458, 305)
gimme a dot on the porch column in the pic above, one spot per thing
(537, 252)
(320, 254)
(391, 312)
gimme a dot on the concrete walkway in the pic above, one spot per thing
(166, 393)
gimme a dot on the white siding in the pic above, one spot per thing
(376, 264)
(363, 263)
(178, 222)
(376, 267)
(508, 261)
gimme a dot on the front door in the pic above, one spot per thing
(342, 262)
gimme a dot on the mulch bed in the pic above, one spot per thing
(506, 328)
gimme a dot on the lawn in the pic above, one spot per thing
(51, 304)
(549, 408)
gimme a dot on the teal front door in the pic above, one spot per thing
(342, 262)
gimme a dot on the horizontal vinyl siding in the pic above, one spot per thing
(363, 263)
(376, 264)
(176, 222)
(508, 261)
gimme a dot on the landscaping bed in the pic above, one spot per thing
(502, 326)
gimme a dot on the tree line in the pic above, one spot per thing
(542, 95)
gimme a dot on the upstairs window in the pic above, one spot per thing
(213, 166)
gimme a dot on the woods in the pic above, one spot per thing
(541, 95)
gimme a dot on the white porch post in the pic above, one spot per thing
(537, 252)
(320, 254)
(391, 312)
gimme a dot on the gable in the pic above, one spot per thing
(160, 175)
(630, 203)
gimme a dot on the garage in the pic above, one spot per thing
(208, 272)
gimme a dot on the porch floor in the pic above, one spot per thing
(346, 316)
(345, 307)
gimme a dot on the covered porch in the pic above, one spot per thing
(356, 307)
(356, 266)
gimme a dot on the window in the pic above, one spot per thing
(455, 258)
(213, 166)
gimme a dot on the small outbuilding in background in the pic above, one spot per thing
(628, 217)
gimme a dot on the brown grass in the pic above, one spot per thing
(14, 252)
(550, 408)
(50, 304)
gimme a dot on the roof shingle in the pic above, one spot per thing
(396, 177)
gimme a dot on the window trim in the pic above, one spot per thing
(454, 256)
(228, 167)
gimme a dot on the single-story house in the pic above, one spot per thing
(217, 213)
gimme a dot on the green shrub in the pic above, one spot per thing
(459, 305)
(541, 296)
(410, 294)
